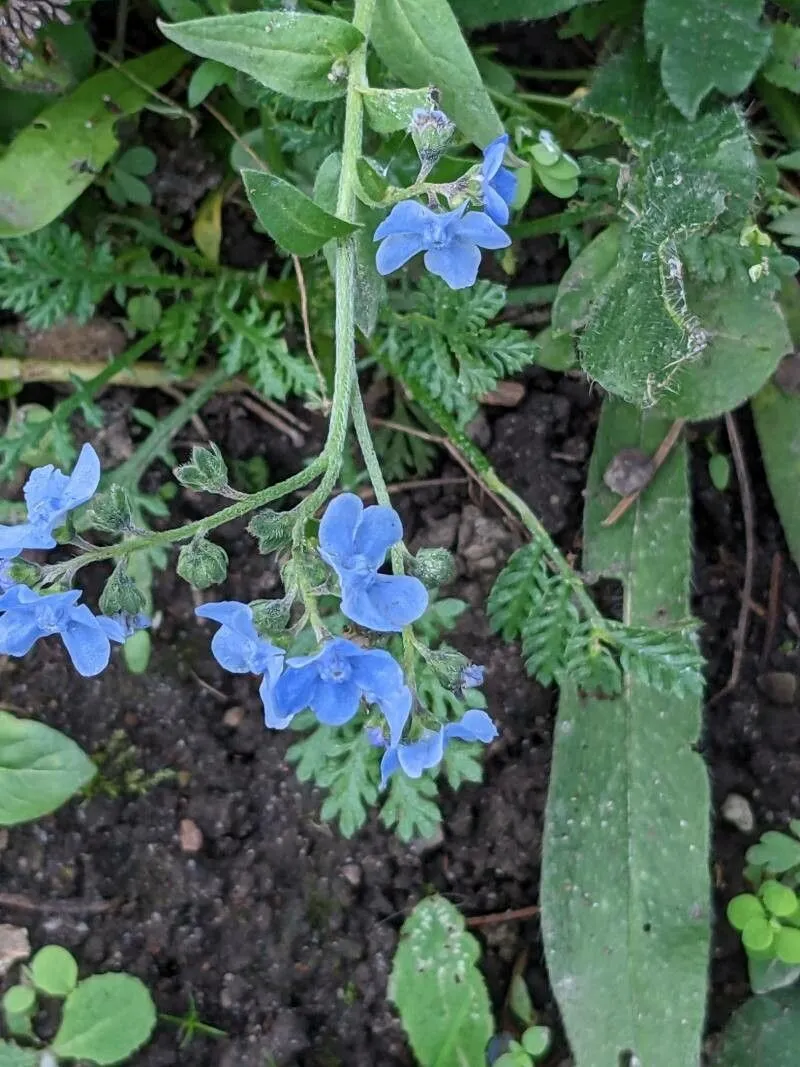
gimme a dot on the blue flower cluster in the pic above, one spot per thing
(451, 240)
(26, 615)
(336, 679)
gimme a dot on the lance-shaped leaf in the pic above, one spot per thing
(292, 53)
(390, 110)
(484, 12)
(438, 989)
(50, 163)
(625, 883)
(293, 219)
(705, 46)
(421, 43)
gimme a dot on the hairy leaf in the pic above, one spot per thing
(40, 768)
(289, 52)
(625, 890)
(777, 418)
(581, 282)
(291, 218)
(50, 163)
(438, 989)
(781, 67)
(105, 1019)
(764, 1032)
(421, 43)
(484, 12)
(687, 34)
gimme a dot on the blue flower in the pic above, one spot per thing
(237, 646)
(128, 624)
(451, 241)
(26, 615)
(6, 581)
(354, 540)
(333, 682)
(471, 676)
(499, 183)
(50, 496)
(414, 757)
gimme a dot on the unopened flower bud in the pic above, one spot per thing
(431, 131)
(448, 666)
(17, 572)
(202, 563)
(111, 511)
(121, 596)
(206, 472)
(272, 529)
(271, 616)
(434, 566)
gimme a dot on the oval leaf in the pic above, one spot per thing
(289, 52)
(105, 1019)
(764, 1032)
(421, 44)
(290, 217)
(12, 1055)
(53, 160)
(54, 971)
(40, 768)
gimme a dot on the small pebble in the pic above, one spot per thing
(425, 845)
(191, 836)
(352, 873)
(738, 812)
(779, 686)
(14, 946)
(233, 716)
(787, 376)
(629, 471)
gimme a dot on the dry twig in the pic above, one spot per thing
(659, 458)
(504, 916)
(773, 605)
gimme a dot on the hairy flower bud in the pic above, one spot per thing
(111, 511)
(272, 529)
(206, 472)
(202, 563)
(434, 566)
(271, 616)
(121, 595)
(431, 131)
(448, 665)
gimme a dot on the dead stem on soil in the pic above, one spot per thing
(746, 494)
(659, 459)
(66, 907)
(773, 606)
(504, 916)
(301, 285)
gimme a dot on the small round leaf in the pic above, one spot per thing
(536, 1040)
(744, 908)
(54, 971)
(757, 934)
(787, 945)
(19, 1000)
(778, 899)
(106, 1018)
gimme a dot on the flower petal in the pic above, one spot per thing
(380, 528)
(44, 486)
(377, 673)
(19, 631)
(386, 602)
(408, 216)
(18, 596)
(495, 206)
(475, 725)
(396, 711)
(87, 645)
(338, 525)
(476, 226)
(272, 718)
(231, 613)
(493, 156)
(457, 263)
(13, 539)
(389, 764)
(113, 628)
(233, 652)
(397, 250)
(295, 689)
(84, 480)
(505, 183)
(421, 755)
(335, 703)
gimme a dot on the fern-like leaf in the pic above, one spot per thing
(410, 808)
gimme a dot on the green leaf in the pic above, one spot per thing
(50, 163)
(580, 283)
(719, 471)
(777, 419)
(40, 768)
(519, 1000)
(390, 110)
(290, 217)
(767, 975)
(342, 761)
(105, 1019)
(139, 160)
(764, 1032)
(54, 971)
(12, 1055)
(682, 30)
(625, 884)
(438, 989)
(410, 808)
(555, 351)
(742, 908)
(776, 852)
(289, 52)
(421, 43)
(484, 12)
(208, 75)
(781, 67)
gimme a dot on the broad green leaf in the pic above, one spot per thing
(389, 110)
(105, 1019)
(764, 1032)
(687, 34)
(50, 163)
(625, 883)
(582, 280)
(208, 75)
(781, 67)
(777, 418)
(421, 43)
(290, 217)
(555, 351)
(303, 56)
(12, 1055)
(54, 971)
(40, 768)
(484, 12)
(438, 989)
(643, 333)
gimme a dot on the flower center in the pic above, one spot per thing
(335, 669)
(50, 619)
(435, 234)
